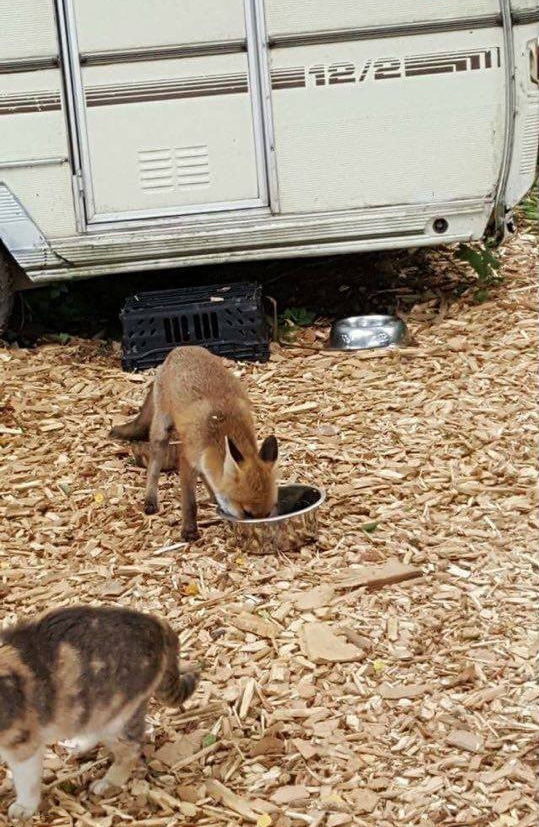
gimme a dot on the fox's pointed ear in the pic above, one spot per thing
(269, 450)
(234, 451)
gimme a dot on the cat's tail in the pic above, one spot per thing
(178, 683)
(175, 689)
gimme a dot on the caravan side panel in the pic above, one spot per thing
(526, 125)
(286, 18)
(400, 120)
(27, 30)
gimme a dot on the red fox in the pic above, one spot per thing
(196, 395)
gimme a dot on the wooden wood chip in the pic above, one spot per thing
(313, 598)
(461, 738)
(237, 803)
(366, 800)
(376, 576)
(306, 749)
(182, 747)
(404, 690)
(507, 800)
(248, 622)
(112, 588)
(267, 746)
(336, 819)
(322, 645)
(290, 794)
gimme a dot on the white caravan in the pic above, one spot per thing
(138, 134)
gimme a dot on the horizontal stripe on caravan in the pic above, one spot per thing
(524, 17)
(380, 68)
(172, 52)
(28, 64)
(281, 41)
(386, 68)
(163, 83)
(238, 83)
(42, 101)
(167, 90)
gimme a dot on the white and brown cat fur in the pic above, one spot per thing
(84, 673)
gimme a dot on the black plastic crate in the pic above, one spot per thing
(226, 319)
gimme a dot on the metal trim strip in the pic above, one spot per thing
(199, 225)
(163, 52)
(33, 162)
(522, 18)
(29, 64)
(509, 126)
(282, 41)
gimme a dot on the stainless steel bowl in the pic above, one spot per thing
(294, 526)
(366, 332)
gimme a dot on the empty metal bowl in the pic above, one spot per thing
(366, 332)
(294, 526)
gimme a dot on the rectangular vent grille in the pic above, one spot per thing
(10, 211)
(182, 168)
(528, 159)
(156, 169)
(192, 167)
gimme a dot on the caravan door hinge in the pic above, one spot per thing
(79, 184)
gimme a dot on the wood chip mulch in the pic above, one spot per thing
(337, 691)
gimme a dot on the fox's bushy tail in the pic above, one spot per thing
(139, 427)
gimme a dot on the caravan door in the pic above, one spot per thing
(381, 104)
(166, 105)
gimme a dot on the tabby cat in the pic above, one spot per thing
(84, 673)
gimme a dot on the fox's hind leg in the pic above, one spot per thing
(125, 750)
(139, 427)
(159, 438)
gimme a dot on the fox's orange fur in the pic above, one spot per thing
(194, 394)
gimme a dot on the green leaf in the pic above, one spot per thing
(299, 316)
(481, 296)
(209, 739)
(482, 260)
(68, 787)
(368, 528)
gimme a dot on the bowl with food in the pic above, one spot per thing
(293, 526)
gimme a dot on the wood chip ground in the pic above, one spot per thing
(428, 458)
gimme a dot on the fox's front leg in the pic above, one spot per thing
(211, 496)
(159, 437)
(188, 480)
